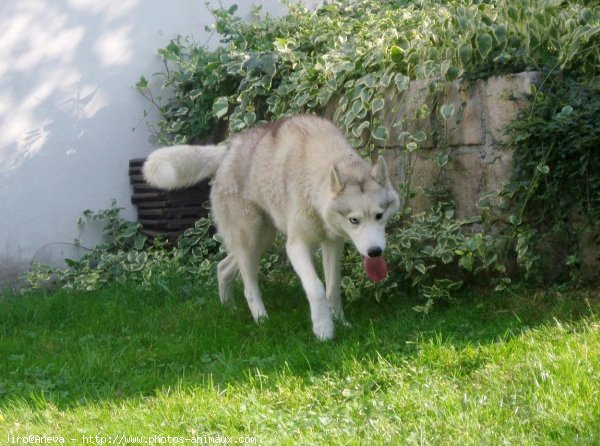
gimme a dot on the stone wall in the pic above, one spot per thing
(473, 136)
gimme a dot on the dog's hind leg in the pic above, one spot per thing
(247, 232)
(226, 272)
(257, 234)
(248, 263)
(332, 267)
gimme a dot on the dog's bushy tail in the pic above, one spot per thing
(182, 166)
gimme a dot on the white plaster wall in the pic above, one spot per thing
(70, 117)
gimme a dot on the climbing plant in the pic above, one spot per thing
(348, 55)
(352, 60)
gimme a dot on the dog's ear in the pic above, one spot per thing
(335, 183)
(379, 172)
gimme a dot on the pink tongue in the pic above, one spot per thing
(376, 268)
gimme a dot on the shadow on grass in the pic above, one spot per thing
(123, 342)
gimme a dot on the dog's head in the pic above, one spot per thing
(362, 201)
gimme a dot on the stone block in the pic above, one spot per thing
(497, 170)
(401, 117)
(465, 126)
(464, 174)
(395, 161)
(504, 96)
(425, 173)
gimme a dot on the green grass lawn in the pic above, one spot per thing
(171, 361)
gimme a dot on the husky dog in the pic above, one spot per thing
(300, 176)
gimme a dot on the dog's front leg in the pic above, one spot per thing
(332, 267)
(301, 257)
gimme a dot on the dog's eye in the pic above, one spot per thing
(379, 216)
(354, 221)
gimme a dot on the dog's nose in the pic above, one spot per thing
(374, 251)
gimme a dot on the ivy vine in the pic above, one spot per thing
(350, 60)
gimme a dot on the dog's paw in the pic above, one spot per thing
(324, 329)
(261, 318)
(344, 322)
(339, 317)
(226, 299)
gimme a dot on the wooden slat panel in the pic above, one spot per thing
(169, 224)
(166, 213)
(179, 212)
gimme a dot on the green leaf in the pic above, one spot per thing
(465, 52)
(386, 79)
(442, 159)
(268, 64)
(474, 242)
(514, 41)
(500, 31)
(349, 119)
(142, 84)
(347, 283)
(302, 99)
(403, 43)
(365, 95)
(444, 67)
(466, 262)
(484, 44)
(357, 130)
(132, 257)
(357, 107)
(447, 257)
(181, 111)
(522, 251)
(371, 80)
(452, 73)
(377, 105)
(542, 168)
(419, 136)
(220, 107)
(432, 86)
(249, 118)
(397, 55)
(380, 133)
(401, 81)
(421, 267)
(515, 220)
(169, 55)
(414, 58)
(412, 146)
(423, 112)
(140, 240)
(521, 241)
(566, 110)
(447, 110)
(128, 231)
(434, 54)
